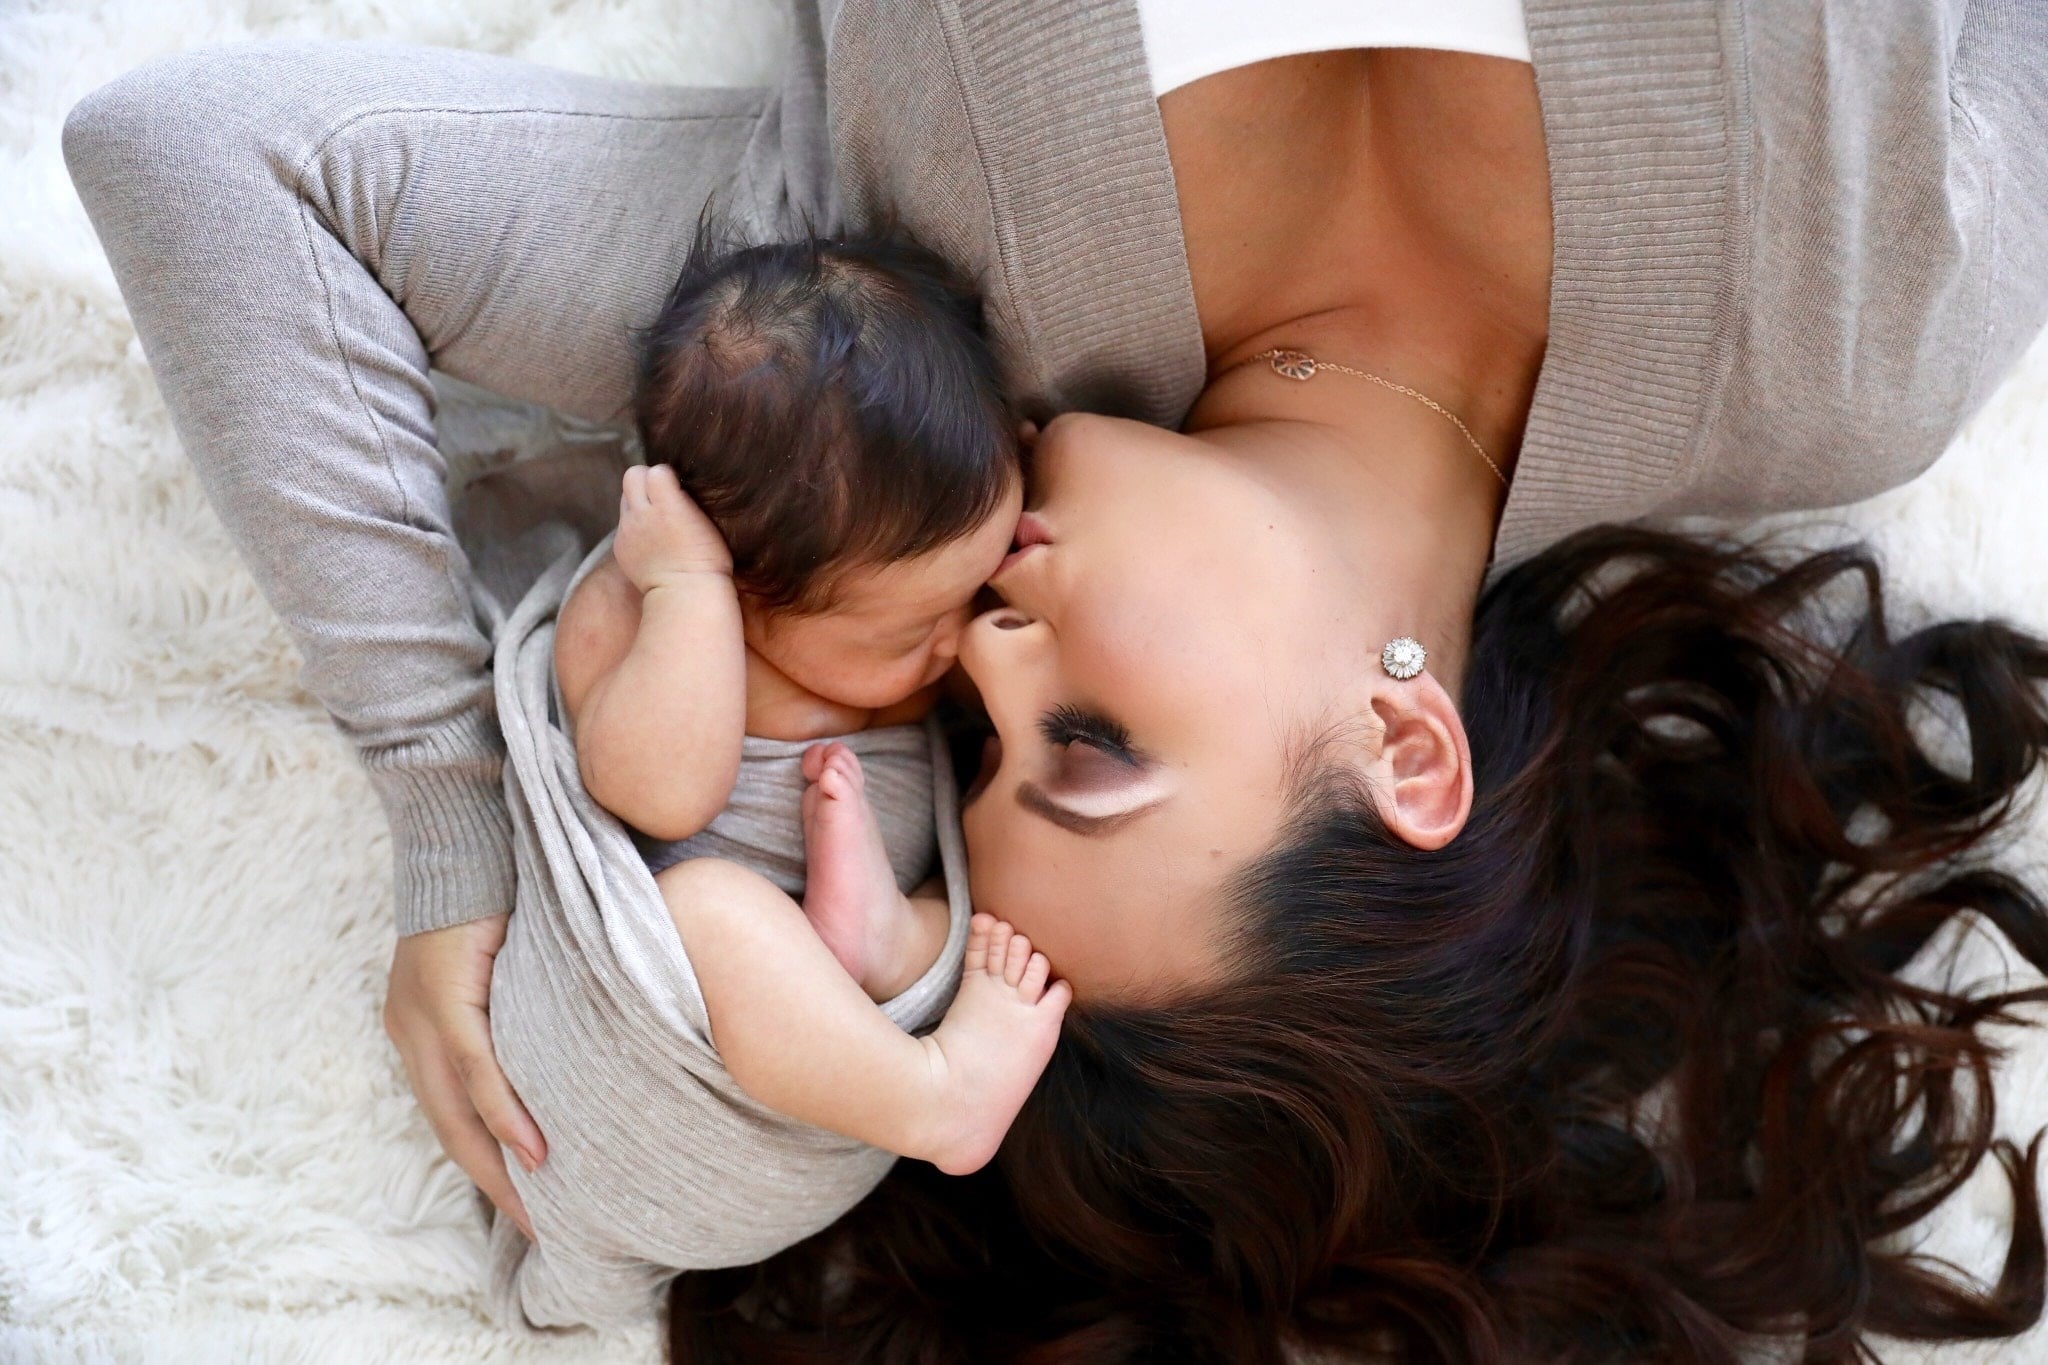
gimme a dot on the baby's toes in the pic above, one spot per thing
(842, 760)
(1015, 958)
(1035, 973)
(840, 774)
(977, 943)
(814, 761)
(999, 937)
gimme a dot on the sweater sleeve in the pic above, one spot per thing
(300, 231)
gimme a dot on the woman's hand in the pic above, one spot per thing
(662, 533)
(437, 1012)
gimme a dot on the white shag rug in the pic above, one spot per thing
(207, 1150)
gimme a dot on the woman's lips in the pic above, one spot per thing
(1012, 558)
(1031, 530)
(1031, 534)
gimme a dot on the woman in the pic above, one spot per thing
(1680, 260)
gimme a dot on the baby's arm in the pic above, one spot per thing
(799, 1035)
(652, 664)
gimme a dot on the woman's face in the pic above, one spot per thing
(1176, 630)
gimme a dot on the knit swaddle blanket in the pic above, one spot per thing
(657, 1162)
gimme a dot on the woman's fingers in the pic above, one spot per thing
(438, 1017)
(468, 1142)
(468, 1040)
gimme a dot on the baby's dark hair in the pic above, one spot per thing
(829, 402)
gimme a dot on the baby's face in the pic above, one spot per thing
(892, 629)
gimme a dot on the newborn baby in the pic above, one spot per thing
(746, 678)
(658, 707)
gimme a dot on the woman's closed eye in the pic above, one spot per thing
(1098, 779)
(1090, 744)
(1065, 726)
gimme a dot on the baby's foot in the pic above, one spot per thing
(993, 1043)
(850, 893)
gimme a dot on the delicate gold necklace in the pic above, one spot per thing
(1300, 365)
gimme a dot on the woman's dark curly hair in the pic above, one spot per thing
(1623, 1073)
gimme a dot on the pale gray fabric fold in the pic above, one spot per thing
(657, 1161)
(761, 824)
(1795, 247)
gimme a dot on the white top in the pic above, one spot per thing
(1186, 40)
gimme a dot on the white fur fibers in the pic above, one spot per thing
(207, 1150)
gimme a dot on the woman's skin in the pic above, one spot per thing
(1221, 592)
(1213, 602)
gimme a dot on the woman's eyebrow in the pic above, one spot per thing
(1033, 798)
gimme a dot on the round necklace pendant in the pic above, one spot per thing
(1294, 364)
(1403, 658)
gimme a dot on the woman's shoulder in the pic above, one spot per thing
(1897, 229)
(1794, 253)
(1023, 143)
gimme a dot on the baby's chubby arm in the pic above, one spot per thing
(652, 663)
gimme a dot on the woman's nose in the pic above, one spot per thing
(997, 641)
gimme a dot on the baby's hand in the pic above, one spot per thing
(663, 535)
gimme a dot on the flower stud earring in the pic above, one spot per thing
(1403, 658)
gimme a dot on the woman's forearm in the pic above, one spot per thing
(299, 231)
(300, 390)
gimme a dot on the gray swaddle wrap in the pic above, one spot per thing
(762, 823)
(657, 1161)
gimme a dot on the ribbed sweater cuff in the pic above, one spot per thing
(1647, 216)
(451, 833)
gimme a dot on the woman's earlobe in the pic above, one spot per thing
(1424, 791)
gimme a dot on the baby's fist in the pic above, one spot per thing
(662, 533)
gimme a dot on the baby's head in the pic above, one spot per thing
(834, 406)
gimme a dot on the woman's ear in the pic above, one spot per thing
(1423, 778)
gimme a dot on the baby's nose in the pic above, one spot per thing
(947, 642)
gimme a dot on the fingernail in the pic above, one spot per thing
(529, 1161)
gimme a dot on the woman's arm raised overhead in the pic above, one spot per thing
(300, 232)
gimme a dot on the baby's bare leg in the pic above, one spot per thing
(884, 939)
(799, 1036)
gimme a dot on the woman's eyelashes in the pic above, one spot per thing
(1099, 779)
(1066, 727)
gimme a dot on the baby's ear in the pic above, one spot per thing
(1423, 776)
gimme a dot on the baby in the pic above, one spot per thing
(833, 411)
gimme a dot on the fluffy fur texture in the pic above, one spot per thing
(207, 1149)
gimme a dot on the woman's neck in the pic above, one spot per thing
(1383, 209)
(1405, 505)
